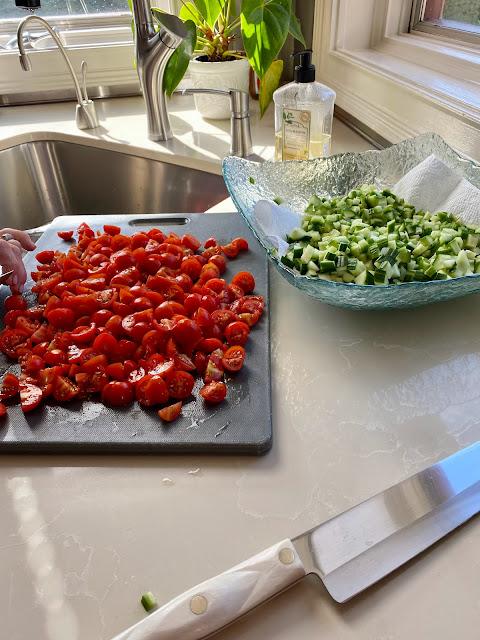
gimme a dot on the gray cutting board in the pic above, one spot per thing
(242, 424)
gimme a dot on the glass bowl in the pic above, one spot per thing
(295, 182)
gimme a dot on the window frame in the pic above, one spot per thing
(111, 69)
(398, 83)
(458, 31)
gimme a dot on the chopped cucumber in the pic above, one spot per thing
(373, 237)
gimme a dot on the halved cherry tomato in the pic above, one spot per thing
(84, 334)
(10, 386)
(214, 392)
(187, 333)
(234, 358)
(211, 242)
(45, 257)
(61, 318)
(30, 395)
(65, 235)
(240, 243)
(64, 390)
(15, 302)
(106, 343)
(151, 390)
(10, 341)
(117, 393)
(180, 384)
(111, 229)
(170, 413)
(231, 250)
(244, 280)
(237, 333)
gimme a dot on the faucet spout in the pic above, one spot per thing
(85, 113)
(153, 51)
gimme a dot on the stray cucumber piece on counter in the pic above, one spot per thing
(251, 180)
(278, 200)
(372, 237)
(148, 601)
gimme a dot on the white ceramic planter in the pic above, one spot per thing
(232, 74)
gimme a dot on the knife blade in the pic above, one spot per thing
(349, 552)
(4, 276)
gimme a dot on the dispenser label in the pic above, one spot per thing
(296, 134)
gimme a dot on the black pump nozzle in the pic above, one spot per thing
(30, 5)
(305, 71)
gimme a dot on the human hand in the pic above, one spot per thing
(12, 241)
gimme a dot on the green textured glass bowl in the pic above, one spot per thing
(296, 181)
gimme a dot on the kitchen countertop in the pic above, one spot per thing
(360, 402)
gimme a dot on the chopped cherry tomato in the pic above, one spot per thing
(10, 341)
(237, 333)
(10, 386)
(61, 318)
(187, 333)
(211, 242)
(191, 242)
(240, 243)
(117, 393)
(105, 343)
(231, 250)
(45, 257)
(65, 235)
(151, 390)
(244, 280)
(180, 384)
(111, 229)
(234, 358)
(170, 413)
(64, 390)
(83, 334)
(15, 302)
(3, 410)
(214, 392)
(30, 395)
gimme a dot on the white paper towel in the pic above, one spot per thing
(431, 186)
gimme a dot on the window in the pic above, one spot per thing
(97, 31)
(399, 81)
(62, 8)
(458, 19)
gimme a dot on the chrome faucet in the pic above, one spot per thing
(153, 52)
(86, 116)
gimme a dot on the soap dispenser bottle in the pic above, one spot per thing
(303, 114)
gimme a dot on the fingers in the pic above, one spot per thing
(11, 259)
(21, 237)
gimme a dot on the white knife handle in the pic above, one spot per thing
(219, 601)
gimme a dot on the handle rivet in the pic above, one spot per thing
(198, 605)
(286, 556)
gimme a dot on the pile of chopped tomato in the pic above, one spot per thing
(130, 318)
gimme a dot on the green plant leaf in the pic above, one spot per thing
(190, 12)
(178, 63)
(209, 10)
(295, 29)
(269, 84)
(265, 25)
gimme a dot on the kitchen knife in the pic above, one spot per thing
(349, 553)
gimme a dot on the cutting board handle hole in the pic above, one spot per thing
(163, 220)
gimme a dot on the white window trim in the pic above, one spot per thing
(111, 68)
(398, 84)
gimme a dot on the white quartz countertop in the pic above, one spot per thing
(360, 401)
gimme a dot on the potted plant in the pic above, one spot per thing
(216, 57)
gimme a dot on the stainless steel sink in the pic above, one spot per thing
(44, 179)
